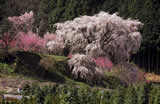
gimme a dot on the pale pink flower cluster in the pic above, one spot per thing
(49, 36)
(54, 44)
(84, 68)
(104, 63)
(55, 47)
(24, 21)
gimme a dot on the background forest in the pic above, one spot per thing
(49, 12)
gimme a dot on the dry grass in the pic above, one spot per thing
(152, 77)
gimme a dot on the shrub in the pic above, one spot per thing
(140, 94)
(154, 94)
(6, 69)
(113, 81)
(130, 96)
(73, 94)
(129, 73)
(116, 97)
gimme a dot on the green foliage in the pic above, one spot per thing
(73, 94)
(117, 97)
(112, 81)
(140, 94)
(154, 95)
(6, 69)
(49, 99)
(130, 96)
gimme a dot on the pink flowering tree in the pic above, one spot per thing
(23, 22)
(30, 42)
(23, 37)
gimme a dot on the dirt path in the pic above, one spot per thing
(10, 84)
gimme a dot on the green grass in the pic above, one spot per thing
(58, 58)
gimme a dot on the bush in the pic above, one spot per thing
(6, 69)
(154, 94)
(81, 94)
(117, 97)
(112, 81)
(140, 94)
(130, 95)
(129, 73)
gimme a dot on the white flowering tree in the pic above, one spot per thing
(100, 35)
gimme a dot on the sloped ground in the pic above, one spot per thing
(48, 69)
(42, 69)
(32, 68)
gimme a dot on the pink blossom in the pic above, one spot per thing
(7, 41)
(103, 62)
(49, 37)
(30, 41)
(23, 19)
(70, 55)
(23, 22)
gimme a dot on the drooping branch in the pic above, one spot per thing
(108, 33)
